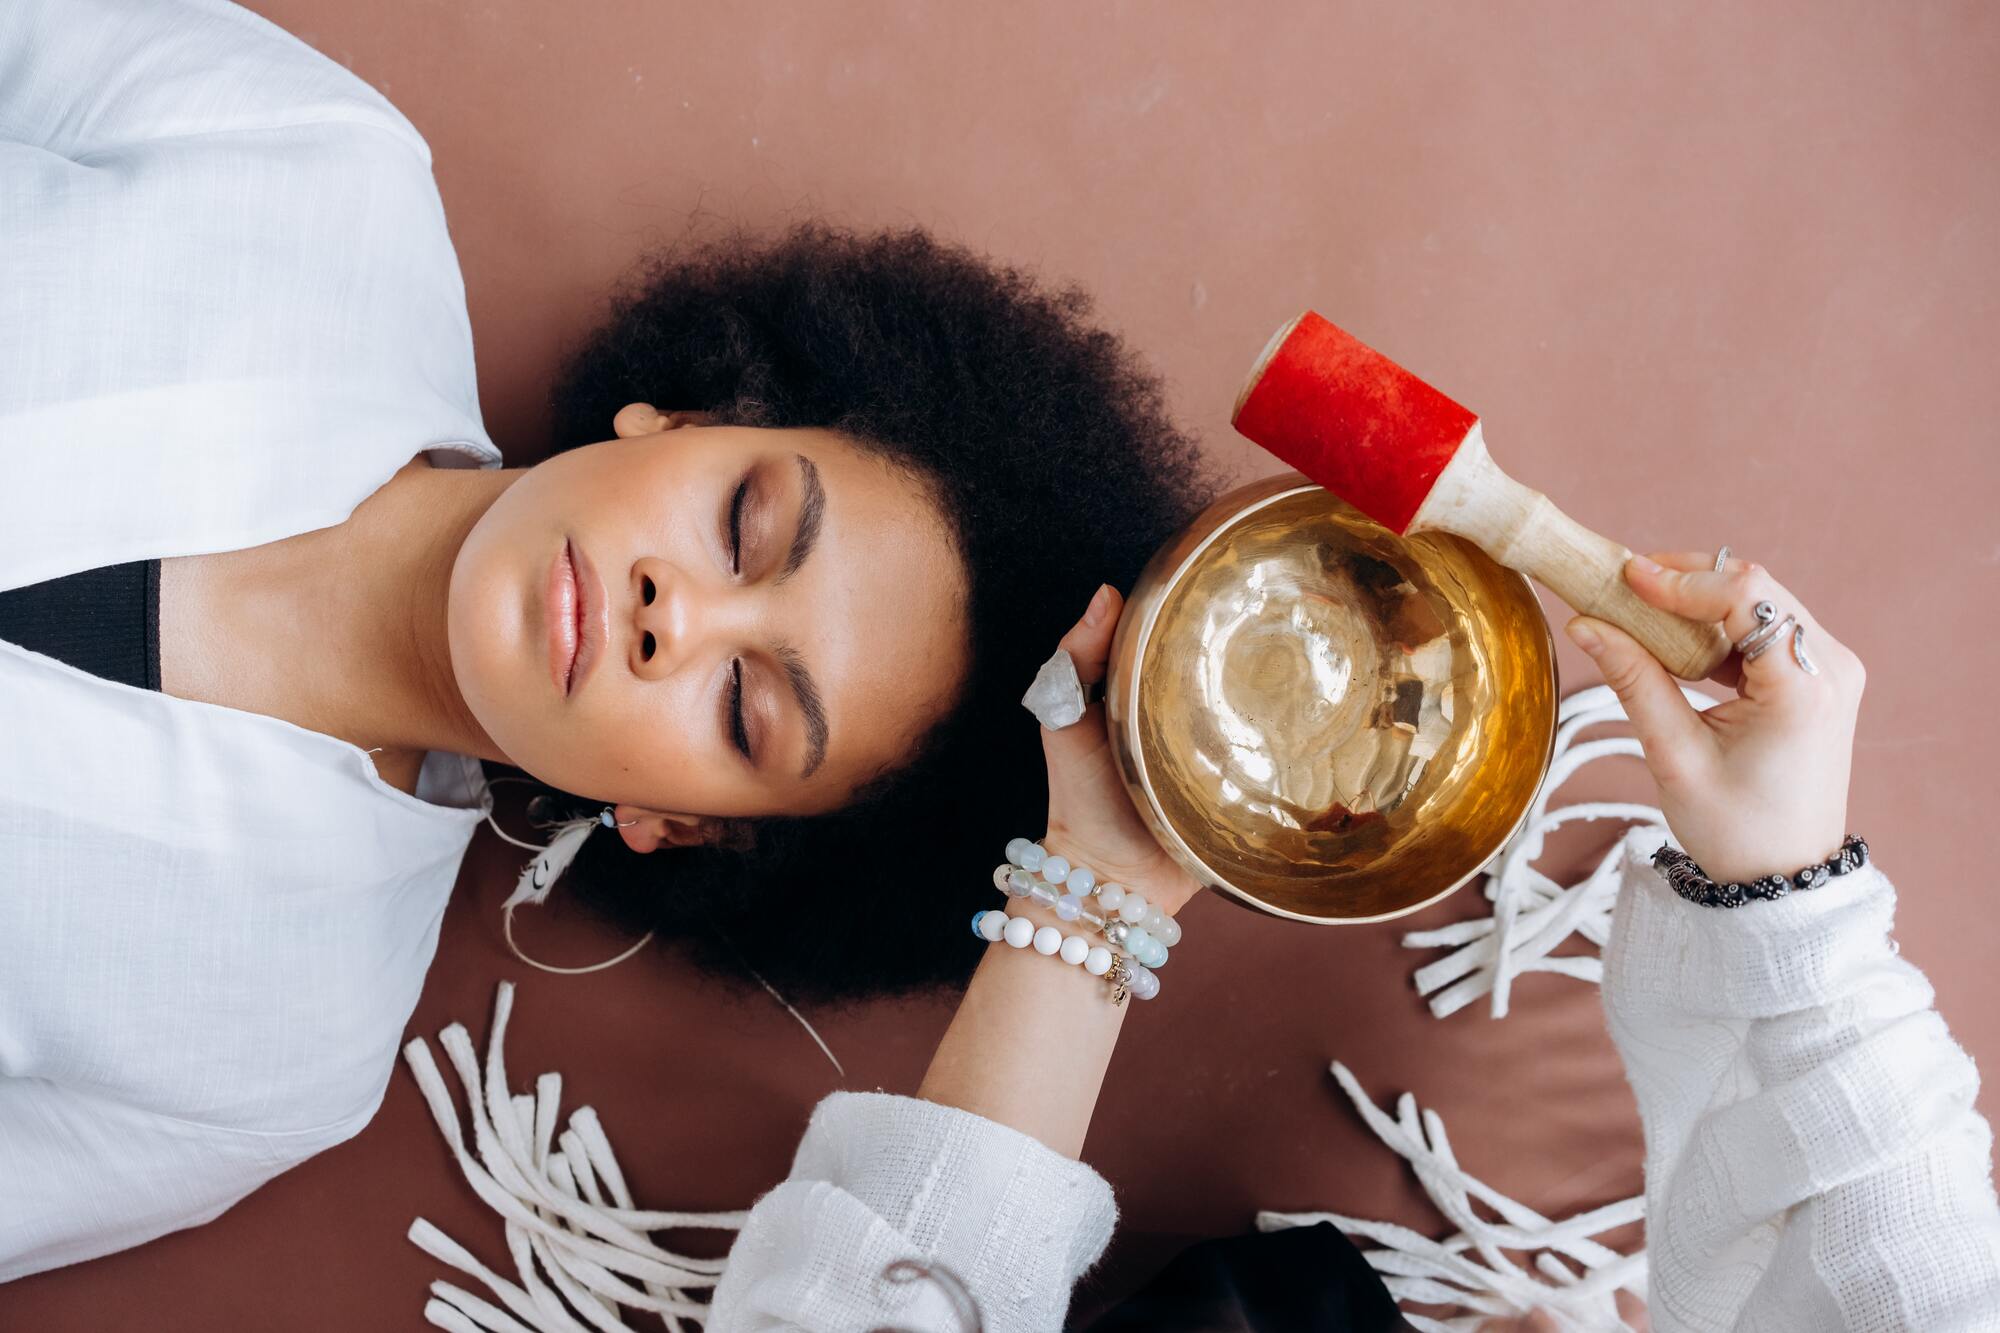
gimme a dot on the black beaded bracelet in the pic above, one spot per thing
(1689, 881)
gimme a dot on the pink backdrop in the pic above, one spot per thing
(1709, 273)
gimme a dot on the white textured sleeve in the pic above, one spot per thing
(1813, 1158)
(79, 77)
(879, 1179)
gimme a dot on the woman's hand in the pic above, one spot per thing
(1091, 818)
(1757, 785)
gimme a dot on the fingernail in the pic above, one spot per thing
(1099, 604)
(1646, 565)
(1584, 637)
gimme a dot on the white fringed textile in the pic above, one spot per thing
(1578, 1278)
(581, 1249)
(1532, 914)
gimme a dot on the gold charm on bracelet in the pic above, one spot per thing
(1120, 979)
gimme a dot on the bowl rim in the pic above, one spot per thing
(1286, 485)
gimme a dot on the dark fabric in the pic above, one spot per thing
(105, 621)
(1297, 1280)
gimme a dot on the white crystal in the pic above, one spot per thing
(1056, 697)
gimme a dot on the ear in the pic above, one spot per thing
(636, 419)
(650, 830)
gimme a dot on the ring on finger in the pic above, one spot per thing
(1721, 559)
(1058, 698)
(1768, 628)
(1761, 641)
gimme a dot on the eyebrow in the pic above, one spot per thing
(810, 704)
(811, 512)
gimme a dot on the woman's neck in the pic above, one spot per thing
(351, 621)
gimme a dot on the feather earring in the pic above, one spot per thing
(539, 876)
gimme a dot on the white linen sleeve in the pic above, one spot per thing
(1813, 1158)
(80, 77)
(879, 1179)
(82, 1175)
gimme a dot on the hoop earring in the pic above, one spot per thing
(538, 877)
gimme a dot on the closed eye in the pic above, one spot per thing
(738, 733)
(736, 525)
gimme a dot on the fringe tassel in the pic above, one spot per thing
(1532, 914)
(1575, 1279)
(581, 1249)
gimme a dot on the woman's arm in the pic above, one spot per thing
(1813, 1158)
(977, 1174)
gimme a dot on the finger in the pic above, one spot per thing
(1670, 731)
(1089, 639)
(1729, 596)
(1088, 644)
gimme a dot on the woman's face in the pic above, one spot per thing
(769, 618)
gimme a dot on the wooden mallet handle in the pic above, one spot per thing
(1522, 529)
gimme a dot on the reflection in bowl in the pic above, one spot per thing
(1326, 720)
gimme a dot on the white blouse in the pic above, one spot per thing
(229, 312)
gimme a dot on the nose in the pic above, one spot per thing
(674, 618)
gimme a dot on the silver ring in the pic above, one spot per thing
(1799, 651)
(1768, 629)
(1721, 559)
(1768, 638)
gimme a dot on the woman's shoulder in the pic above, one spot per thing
(88, 77)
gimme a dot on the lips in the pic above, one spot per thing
(559, 607)
(593, 617)
(577, 618)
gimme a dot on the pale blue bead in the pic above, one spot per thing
(1168, 932)
(1055, 869)
(1109, 896)
(1018, 883)
(1032, 858)
(1156, 953)
(1069, 907)
(1082, 879)
(1137, 941)
(1017, 850)
(975, 924)
(1042, 894)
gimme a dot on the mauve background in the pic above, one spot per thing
(1710, 273)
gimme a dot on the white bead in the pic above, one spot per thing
(1082, 879)
(1110, 895)
(1000, 874)
(1019, 931)
(992, 926)
(1047, 940)
(1134, 908)
(1168, 932)
(1017, 850)
(1055, 869)
(1098, 961)
(1031, 859)
(1075, 948)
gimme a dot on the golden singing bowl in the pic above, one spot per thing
(1324, 720)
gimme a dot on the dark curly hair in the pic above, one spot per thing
(1050, 453)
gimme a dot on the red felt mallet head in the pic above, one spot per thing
(1351, 419)
(1412, 459)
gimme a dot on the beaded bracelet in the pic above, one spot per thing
(1690, 882)
(1125, 975)
(1128, 921)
